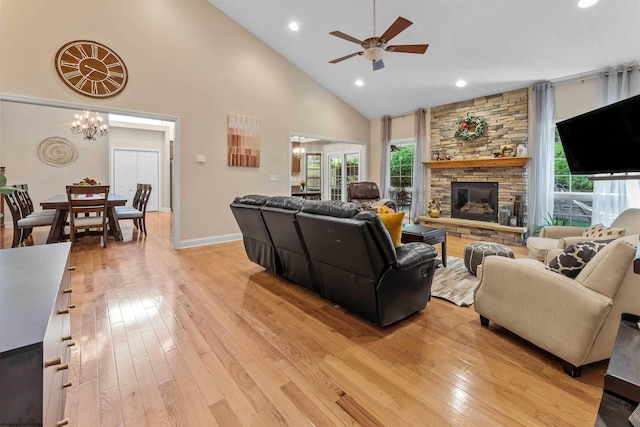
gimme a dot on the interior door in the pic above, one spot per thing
(131, 167)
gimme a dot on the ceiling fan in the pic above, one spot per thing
(374, 47)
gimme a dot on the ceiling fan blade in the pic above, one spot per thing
(396, 28)
(408, 48)
(346, 37)
(378, 65)
(345, 57)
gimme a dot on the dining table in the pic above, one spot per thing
(60, 203)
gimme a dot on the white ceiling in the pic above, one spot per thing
(496, 45)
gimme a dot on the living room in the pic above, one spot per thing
(161, 41)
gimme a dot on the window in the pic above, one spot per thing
(401, 173)
(313, 172)
(573, 196)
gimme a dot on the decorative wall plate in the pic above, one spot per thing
(57, 151)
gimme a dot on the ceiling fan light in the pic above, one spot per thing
(374, 53)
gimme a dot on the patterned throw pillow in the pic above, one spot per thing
(573, 258)
(599, 231)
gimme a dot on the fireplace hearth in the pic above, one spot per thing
(475, 200)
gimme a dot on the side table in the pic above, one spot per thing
(621, 393)
(430, 235)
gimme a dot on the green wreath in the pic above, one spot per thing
(470, 127)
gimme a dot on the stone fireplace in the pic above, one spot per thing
(480, 160)
(475, 200)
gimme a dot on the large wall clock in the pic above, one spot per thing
(91, 68)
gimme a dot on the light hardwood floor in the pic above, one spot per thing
(203, 337)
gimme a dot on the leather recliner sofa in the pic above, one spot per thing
(340, 252)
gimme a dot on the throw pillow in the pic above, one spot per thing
(393, 223)
(573, 258)
(600, 231)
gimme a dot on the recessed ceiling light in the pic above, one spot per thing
(359, 82)
(293, 26)
(587, 3)
(461, 83)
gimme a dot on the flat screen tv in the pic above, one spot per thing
(603, 141)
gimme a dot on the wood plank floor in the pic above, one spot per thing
(204, 337)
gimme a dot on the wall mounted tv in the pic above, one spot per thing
(603, 141)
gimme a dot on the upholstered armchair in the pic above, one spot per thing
(367, 195)
(575, 319)
(561, 236)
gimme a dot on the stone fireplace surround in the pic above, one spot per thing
(512, 181)
(473, 161)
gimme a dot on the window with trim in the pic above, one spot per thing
(573, 194)
(313, 172)
(401, 173)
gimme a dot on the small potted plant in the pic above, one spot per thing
(3, 187)
(303, 185)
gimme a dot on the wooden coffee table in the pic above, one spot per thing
(430, 235)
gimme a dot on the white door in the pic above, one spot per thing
(131, 167)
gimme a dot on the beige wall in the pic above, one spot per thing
(185, 60)
(23, 127)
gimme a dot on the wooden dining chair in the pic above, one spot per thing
(23, 222)
(137, 212)
(88, 211)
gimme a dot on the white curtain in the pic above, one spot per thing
(541, 170)
(417, 195)
(386, 137)
(612, 197)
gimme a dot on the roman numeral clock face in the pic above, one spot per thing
(91, 69)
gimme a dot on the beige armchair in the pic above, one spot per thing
(561, 236)
(573, 319)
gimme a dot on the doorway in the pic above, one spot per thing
(311, 160)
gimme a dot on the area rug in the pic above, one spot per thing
(454, 283)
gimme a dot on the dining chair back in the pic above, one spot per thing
(137, 212)
(23, 221)
(88, 211)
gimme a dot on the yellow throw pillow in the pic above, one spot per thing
(393, 222)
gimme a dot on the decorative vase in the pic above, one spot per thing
(302, 187)
(434, 213)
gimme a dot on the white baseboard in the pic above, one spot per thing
(192, 243)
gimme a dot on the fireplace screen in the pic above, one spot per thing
(475, 200)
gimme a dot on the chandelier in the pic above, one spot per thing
(89, 124)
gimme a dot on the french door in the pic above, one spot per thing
(343, 170)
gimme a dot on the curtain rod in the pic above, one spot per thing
(589, 76)
(401, 116)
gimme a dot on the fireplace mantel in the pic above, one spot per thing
(499, 162)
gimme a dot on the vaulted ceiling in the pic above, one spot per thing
(494, 45)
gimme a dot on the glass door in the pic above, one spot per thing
(343, 170)
(335, 177)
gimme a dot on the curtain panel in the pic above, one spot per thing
(541, 171)
(417, 195)
(386, 138)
